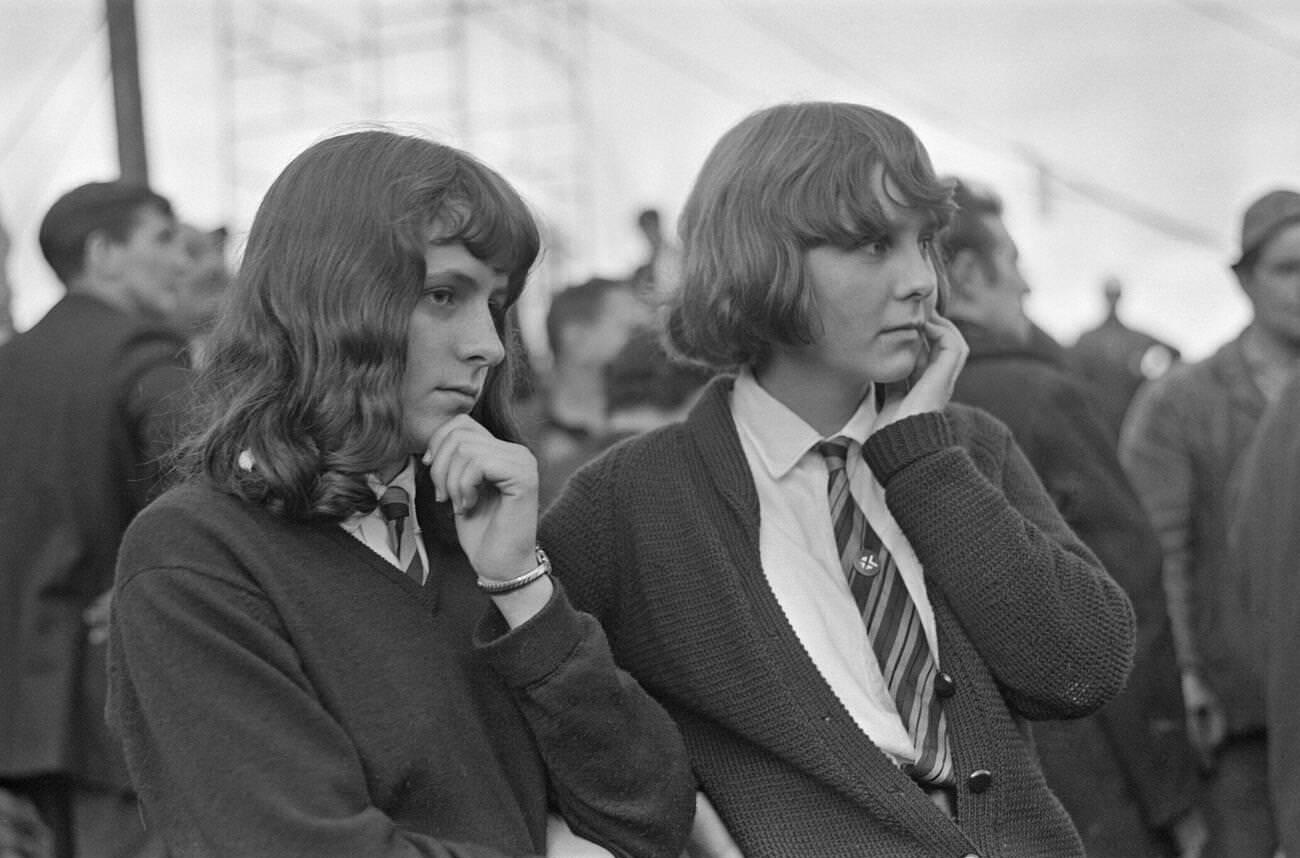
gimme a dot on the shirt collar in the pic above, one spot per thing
(782, 437)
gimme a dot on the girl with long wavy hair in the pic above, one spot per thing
(338, 636)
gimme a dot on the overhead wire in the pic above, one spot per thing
(817, 54)
(1244, 23)
(670, 55)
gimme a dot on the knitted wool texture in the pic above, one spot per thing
(659, 539)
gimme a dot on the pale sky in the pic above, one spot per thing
(1126, 136)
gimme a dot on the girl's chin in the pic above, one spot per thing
(418, 432)
(895, 371)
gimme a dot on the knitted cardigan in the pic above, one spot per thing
(283, 691)
(1029, 624)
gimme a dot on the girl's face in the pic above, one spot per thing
(452, 341)
(869, 305)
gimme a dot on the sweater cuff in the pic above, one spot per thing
(530, 652)
(897, 445)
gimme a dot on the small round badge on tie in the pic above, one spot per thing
(867, 564)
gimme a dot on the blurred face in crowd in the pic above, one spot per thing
(452, 341)
(200, 288)
(1273, 285)
(144, 271)
(595, 343)
(1000, 287)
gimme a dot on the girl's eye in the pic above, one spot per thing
(440, 297)
(874, 246)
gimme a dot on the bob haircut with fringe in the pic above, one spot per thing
(304, 367)
(784, 180)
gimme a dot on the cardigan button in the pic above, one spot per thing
(979, 780)
(944, 686)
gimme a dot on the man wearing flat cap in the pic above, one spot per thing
(1181, 444)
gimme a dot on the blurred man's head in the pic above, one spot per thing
(203, 285)
(986, 287)
(587, 324)
(117, 240)
(1269, 266)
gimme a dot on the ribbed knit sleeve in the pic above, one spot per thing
(898, 445)
(1052, 626)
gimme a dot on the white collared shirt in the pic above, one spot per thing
(372, 529)
(801, 561)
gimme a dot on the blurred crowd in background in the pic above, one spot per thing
(1178, 761)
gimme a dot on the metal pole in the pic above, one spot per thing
(128, 108)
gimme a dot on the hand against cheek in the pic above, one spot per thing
(933, 389)
(492, 486)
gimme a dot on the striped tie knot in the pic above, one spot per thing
(835, 452)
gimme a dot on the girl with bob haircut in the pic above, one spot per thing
(849, 592)
(337, 636)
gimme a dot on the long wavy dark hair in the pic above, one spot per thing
(303, 371)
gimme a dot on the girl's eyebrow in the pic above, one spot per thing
(455, 274)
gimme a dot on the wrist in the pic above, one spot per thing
(500, 587)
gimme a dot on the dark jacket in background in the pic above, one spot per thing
(1265, 539)
(1128, 771)
(1117, 361)
(1181, 444)
(88, 403)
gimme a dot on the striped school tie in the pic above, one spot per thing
(893, 623)
(395, 506)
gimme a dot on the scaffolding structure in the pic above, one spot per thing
(505, 79)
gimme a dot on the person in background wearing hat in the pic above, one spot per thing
(1181, 444)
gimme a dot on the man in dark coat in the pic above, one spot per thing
(89, 402)
(1127, 774)
(1118, 360)
(1265, 535)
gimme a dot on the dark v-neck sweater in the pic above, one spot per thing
(281, 690)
